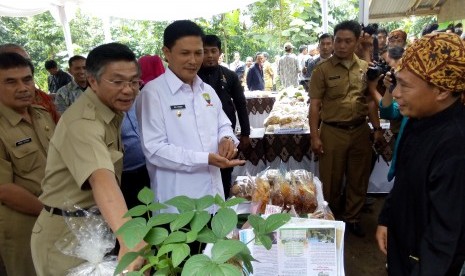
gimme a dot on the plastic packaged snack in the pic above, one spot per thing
(92, 241)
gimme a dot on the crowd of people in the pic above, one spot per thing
(118, 124)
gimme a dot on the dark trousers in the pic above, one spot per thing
(132, 182)
(226, 178)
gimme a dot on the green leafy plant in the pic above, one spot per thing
(168, 252)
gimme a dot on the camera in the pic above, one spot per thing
(370, 29)
(375, 71)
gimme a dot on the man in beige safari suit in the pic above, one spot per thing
(85, 158)
(25, 131)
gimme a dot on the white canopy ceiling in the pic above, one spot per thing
(64, 10)
(131, 9)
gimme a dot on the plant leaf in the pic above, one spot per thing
(156, 236)
(224, 222)
(162, 272)
(166, 248)
(230, 270)
(265, 240)
(182, 220)
(155, 206)
(206, 236)
(175, 237)
(127, 259)
(196, 265)
(246, 259)
(182, 203)
(180, 252)
(219, 201)
(204, 202)
(224, 250)
(165, 263)
(275, 221)
(146, 196)
(257, 223)
(134, 273)
(201, 218)
(160, 219)
(234, 201)
(133, 231)
(191, 236)
(136, 211)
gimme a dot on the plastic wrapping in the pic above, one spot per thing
(90, 239)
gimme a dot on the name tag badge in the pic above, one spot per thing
(178, 107)
(24, 141)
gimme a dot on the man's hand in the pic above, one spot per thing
(387, 81)
(244, 142)
(381, 237)
(372, 84)
(378, 136)
(226, 148)
(222, 162)
(317, 145)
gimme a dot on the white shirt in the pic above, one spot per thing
(179, 128)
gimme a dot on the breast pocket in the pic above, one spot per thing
(335, 89)
(26, 158)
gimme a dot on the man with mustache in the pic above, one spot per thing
(25, 131)
(40, 97)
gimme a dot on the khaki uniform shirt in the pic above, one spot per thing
(23, 147)
(341, 88)
(87, 138)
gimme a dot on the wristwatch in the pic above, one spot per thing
(229, 138)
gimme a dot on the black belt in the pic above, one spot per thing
(77, 213)
(346, 126)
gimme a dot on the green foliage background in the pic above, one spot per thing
(263, 26)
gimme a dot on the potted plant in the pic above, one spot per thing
(168, 252)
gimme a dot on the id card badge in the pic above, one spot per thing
(178, 108)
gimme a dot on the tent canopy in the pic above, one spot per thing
(134, 9)
(446, 10)
(64, 10)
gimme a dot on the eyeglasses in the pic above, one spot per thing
(120, 84)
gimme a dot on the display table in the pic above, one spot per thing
(292, 152)
(269, 150)
(259, 106)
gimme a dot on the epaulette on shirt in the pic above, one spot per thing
(89, 112)
(38, 106)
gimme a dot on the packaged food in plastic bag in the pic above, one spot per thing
(91, 239)
(322, 212)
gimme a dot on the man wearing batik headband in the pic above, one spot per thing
(397, 38)
(422, 224)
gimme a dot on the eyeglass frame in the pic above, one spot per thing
(120, 84)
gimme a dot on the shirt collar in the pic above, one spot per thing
(12, 116)
(175, 84)
(335, 60)
(107, 113)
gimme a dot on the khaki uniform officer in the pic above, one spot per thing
(338, 90)
(88, 138)
(25, 131)
(85, 159)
